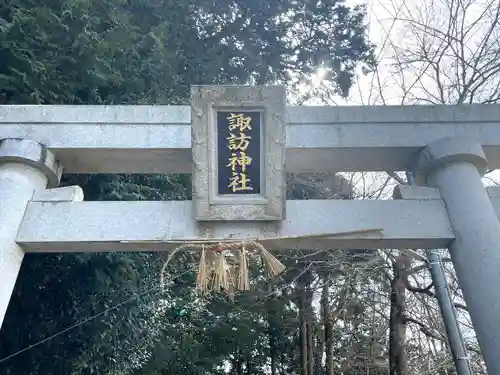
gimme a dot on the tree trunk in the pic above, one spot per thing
(319, 349)
(272, 334)
(273, 353)
(397, 357)
(327, 323)
(249, 365)
(330, 317)
(310, 346)
(303, 334)
(306, 318)
(239, 367)
(282, 364)
(237, 363)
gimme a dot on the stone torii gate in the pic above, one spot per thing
(237, 138)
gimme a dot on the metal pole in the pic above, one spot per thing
(448, 312)
(455, 167)
(25, 166)
(456, 341)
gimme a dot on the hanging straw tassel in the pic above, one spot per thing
(204, 271)
(273, 267)
(232, 284)
(221, 274)
(167, 262)
(243, 282)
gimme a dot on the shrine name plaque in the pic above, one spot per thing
(238, 147)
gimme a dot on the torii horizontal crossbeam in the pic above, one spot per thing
(416, 219)
(148, 226)
(149, 139)
(128, 226)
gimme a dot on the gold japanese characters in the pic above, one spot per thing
(238, 144)
(239, 152)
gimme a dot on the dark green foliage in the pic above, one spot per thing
(132, 187)
(150, 52)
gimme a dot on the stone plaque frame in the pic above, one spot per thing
(269, 205)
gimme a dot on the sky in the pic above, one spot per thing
(390, 30)
(388, 27)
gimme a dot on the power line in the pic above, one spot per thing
(89, 319)
(121, 304)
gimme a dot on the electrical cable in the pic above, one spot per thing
(89, 319)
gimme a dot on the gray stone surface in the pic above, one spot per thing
(63, 194)
(455, 168)
(205, 101)
(141, 139)
(107, 139)
(415, 192)
(425, 192)
(31, 153)
(493, 192)
(20, 177)
(114, 226)
(447, 150)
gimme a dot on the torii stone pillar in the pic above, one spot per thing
(455, 167)
(25, 166)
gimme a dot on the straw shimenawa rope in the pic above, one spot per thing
(203, 276)
(272, 266)
(243, 281)
(215, 272)
(222, 278)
